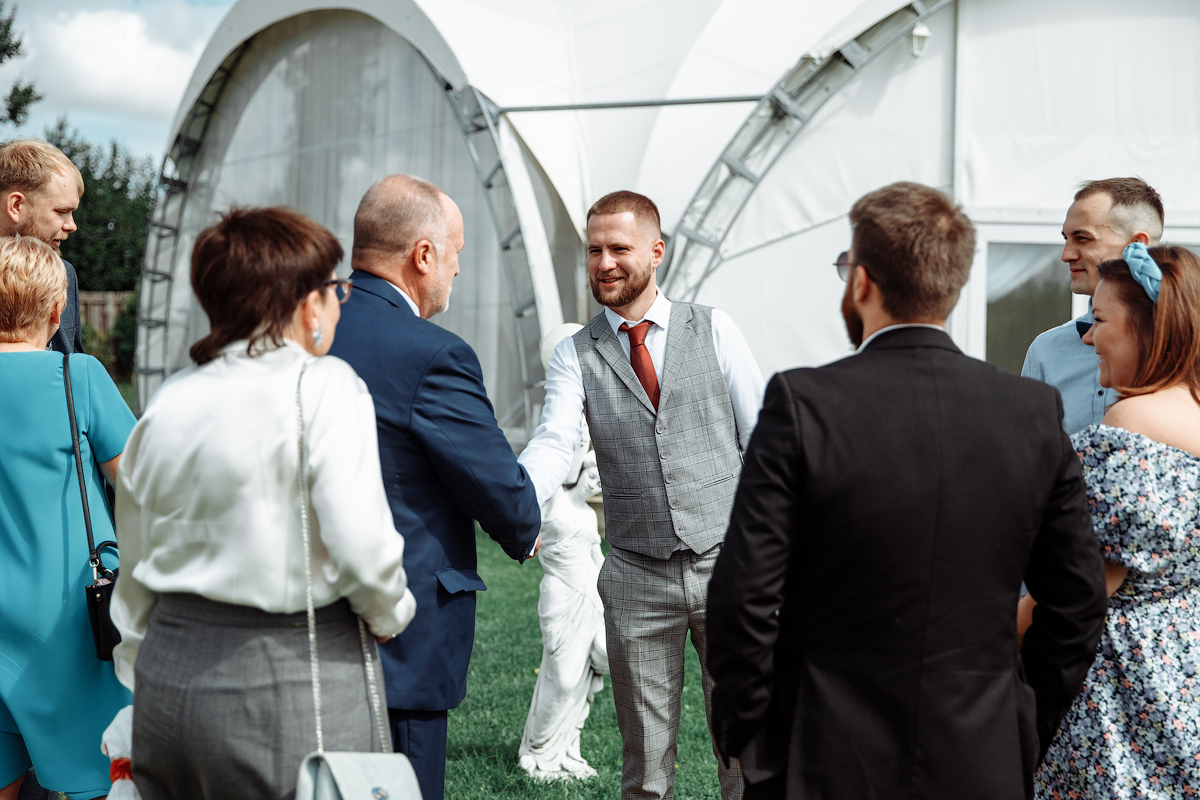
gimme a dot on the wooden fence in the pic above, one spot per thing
(100, 309)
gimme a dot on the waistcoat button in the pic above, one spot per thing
(663, 455)
(661, 429)
(674, 505)
(670, 478)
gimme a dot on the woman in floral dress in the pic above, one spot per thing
(1134, 729)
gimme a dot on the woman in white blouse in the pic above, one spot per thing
(210, 601)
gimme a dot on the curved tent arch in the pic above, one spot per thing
(494, 148)
(694, 251)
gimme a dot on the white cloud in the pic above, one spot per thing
(109, 61)
(116, 68)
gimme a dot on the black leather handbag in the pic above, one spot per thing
(99, 591)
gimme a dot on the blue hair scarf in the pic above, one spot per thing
(1143, 269)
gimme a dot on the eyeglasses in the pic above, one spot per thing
(844, 266)
(344, 285)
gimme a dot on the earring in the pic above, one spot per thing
(318, 335)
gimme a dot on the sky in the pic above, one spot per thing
(116, 68)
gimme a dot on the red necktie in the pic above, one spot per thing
(639, 356)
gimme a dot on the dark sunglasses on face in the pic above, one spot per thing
(844, 266)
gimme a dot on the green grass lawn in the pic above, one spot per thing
(486, 729)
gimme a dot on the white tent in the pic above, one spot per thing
(1006, 104)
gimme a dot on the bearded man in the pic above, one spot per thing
(40, 190)
(862, 624)
(671, 394)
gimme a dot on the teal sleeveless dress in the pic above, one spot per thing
(56, 697)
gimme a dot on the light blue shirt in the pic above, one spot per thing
(1060, 358)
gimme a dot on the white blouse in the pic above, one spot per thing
(208, 501)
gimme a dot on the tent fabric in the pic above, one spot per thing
(1014, 103)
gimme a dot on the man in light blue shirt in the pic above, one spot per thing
(1106, 216)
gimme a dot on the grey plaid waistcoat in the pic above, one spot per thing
(671, 476)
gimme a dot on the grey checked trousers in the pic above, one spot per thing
(650, 605)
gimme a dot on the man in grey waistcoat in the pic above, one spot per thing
(40, 190)
(671, 393)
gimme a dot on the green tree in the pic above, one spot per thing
(22, 95)
(113, 214)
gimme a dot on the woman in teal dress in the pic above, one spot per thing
(56, 697)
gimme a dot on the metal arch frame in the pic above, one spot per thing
(477, 117)
(694, 252)
(166, 224)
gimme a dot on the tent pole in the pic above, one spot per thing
(686, 101)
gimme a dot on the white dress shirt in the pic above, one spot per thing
(897, 327)
(548, 456)
(407, 299)
(208, 501)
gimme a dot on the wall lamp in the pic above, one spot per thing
(919, 40)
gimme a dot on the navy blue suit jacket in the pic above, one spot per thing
(445, 464)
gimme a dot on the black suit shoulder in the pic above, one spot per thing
(895, 367)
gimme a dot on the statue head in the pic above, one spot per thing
(588, 484)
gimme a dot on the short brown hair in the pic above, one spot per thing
(639, 205)
(32, 280)
(251, 270)
(1167, 332)
(27, 165)
(1136, 206)
(917, 244)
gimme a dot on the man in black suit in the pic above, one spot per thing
(862, 625)
(39, 191)
(445, 461)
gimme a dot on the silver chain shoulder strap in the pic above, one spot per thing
(373, 690)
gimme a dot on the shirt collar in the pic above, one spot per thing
(872, 337)
(411, 304)
(264, 345)
(659, 313)
(1087, 315)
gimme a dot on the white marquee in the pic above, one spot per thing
(1010, 104)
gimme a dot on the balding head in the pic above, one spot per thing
(394, 215)
(409, 232)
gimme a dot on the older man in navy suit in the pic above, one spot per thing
(445, 461)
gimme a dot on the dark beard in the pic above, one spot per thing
(854, 322)
(634, 286)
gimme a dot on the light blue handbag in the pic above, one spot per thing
(345, 776)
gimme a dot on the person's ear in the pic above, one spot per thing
(658, 250)
(310, 310)
(862, 285)
(56, 312)
(424, 257)
(14, 205)
(1143, 237)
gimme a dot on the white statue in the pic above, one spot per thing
(574, 654)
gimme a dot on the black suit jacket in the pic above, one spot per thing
(862, 616)
(69, 336)
(445, 464)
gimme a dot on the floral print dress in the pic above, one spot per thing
(1134, 730)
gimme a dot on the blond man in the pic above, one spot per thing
(40, 190)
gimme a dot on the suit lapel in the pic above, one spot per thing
(373, 284)
(680, 331)
(606, 344)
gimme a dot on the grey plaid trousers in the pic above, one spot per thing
(650, 604)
